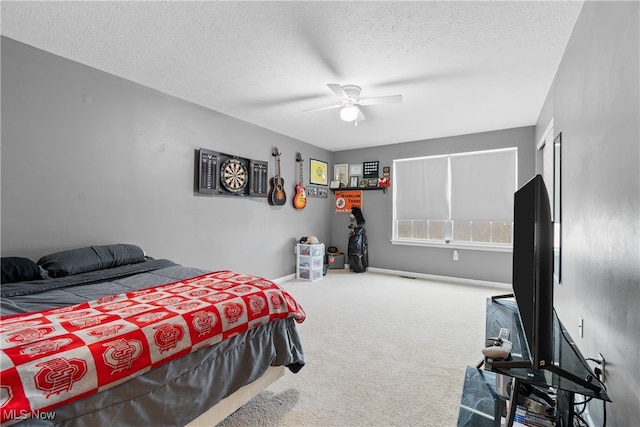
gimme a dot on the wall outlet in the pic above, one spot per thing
(602, 372)
(455, 255)
(581, 326)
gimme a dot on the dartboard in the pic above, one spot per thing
(234, 175)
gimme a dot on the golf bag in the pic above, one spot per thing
(358, 251)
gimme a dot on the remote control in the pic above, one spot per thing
(504, 334)
(500, 350)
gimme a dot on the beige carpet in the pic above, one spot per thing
(380, 350)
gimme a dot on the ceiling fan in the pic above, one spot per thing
(350, 102)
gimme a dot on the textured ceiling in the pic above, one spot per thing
(461, 67)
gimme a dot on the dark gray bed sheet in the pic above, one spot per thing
(179, 391)
(44, 294)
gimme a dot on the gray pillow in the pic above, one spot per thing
(91, 258)
(18, 269)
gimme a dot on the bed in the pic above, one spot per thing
(77, 325)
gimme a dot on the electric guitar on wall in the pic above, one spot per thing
(300, 199)
(277, 195)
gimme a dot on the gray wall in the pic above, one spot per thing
(90, 158)
(595, 104)
(377, 209)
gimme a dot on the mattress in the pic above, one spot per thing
(172, 394)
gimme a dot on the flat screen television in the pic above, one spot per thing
(533, 269)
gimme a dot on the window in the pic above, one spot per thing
(464, 198)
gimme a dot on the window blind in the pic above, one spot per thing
(468, 192)
(482, 185)
(421, 188)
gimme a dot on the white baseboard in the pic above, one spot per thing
(448, 279)
(283, 279)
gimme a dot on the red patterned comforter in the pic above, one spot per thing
(53, 357)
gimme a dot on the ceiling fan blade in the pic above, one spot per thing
(380, 100)
(337, 89)
(323, 108)
(361, 116)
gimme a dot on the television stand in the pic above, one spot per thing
(569, 371)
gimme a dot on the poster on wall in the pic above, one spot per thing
(345, 200)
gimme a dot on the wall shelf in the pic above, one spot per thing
(384, 189)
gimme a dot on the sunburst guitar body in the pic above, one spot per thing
(300, 198)
(277, 196)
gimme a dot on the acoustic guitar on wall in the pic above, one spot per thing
(277, 195)
(300, 199)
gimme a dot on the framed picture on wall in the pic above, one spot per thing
(318, 172)
(355, 169)
(341, 173)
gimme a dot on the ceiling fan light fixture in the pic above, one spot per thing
(349, 113)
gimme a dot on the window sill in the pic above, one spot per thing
(454, 245)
